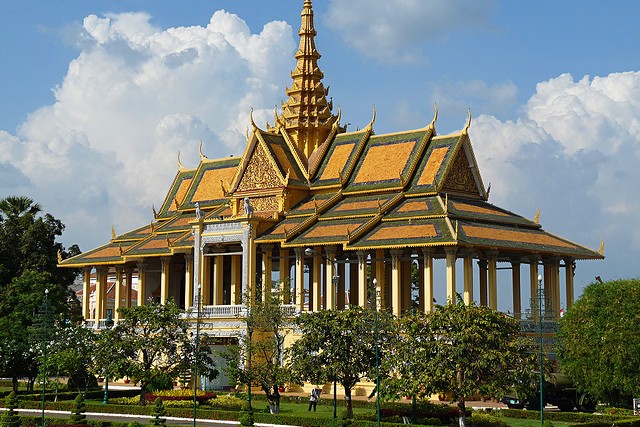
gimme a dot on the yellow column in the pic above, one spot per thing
(129, 287)
(188, 282)
(331, 272)
(101, 292)
(556, 287)
(207, 280)
(493, 280)
(380, 279)
(267, 268)
(427, 279)
(236, 280)
(142, 283)
(118, 294)
(86, 293)
(451, 274)
(362, 279)
(515, 280)
(164, 279)
(285, 280)
(569, 272)
(468, 279)
(299, 278)
(396, 282)
(482, 267)
(218, 280)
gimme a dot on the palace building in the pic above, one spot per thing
(321, 212)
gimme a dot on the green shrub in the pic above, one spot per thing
(77, 414)
(10, 418)
(158, 413)
(226, 401)
(479, 419)
(161, 381)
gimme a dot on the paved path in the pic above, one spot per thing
(142, 419)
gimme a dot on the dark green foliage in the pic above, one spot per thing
(10, 418)
(28, 266)
(599, 341)
(158, 413)
(77, 415)
(161, 381)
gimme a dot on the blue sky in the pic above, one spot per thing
(98, 97)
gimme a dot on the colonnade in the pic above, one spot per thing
(324, 277)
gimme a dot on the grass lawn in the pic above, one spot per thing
(324, 408)
(519, 422)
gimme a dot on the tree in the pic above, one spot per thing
(152, 340)
(70, 355)
(28, 266)
(339, 346)
(268, 324)
(599, 343)
(473, 350)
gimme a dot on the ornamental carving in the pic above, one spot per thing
(265, 204)
(460, 177)
(259, 173)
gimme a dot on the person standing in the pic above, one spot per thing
(313, 399)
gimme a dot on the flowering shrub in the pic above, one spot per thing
(168, 395)
(135, 400)
(226, 401)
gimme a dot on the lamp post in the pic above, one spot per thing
(195, 359)
(375, 307)
(540, 302)
(108, 323)
(44, 365)
(335, 279)
(250, 333)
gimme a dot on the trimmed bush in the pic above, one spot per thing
(77, 415)
(10, 418)
(158, 413)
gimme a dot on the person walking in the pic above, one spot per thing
(313, 399)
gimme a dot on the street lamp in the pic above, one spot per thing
(45, 332)
(375, 307)
(195, 359)
(540, 302)
(108, 323)
(335, 280)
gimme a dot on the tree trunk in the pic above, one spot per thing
(14, 382)
(347, 397)
(462, 421)
(143, 398)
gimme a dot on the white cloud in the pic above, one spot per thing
(392, 30)
(573, 152)
(106, 150)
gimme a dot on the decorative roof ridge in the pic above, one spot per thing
(382, 210)
(449, 165)
(314, 217)
(299, 156)
(413, 217)
(351, 165)
(532, 223)
(283, 174)
(422, 148)
(316, 158)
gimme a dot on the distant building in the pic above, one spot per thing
(321, 212)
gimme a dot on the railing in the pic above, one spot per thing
(226, 311)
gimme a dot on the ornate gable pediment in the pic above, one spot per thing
(260, 172)
(462, 174)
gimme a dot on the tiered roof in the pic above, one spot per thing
(358, 190)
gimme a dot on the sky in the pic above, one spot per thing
(98, 97)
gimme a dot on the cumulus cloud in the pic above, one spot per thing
(573, 152)
(106, 150)
(395, 30)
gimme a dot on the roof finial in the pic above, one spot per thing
(202, 156)
(180, 167)
(468, 124)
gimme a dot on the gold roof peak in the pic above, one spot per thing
(306, 116)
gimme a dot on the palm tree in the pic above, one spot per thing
(13, 207)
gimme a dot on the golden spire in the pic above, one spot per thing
(306, 116)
